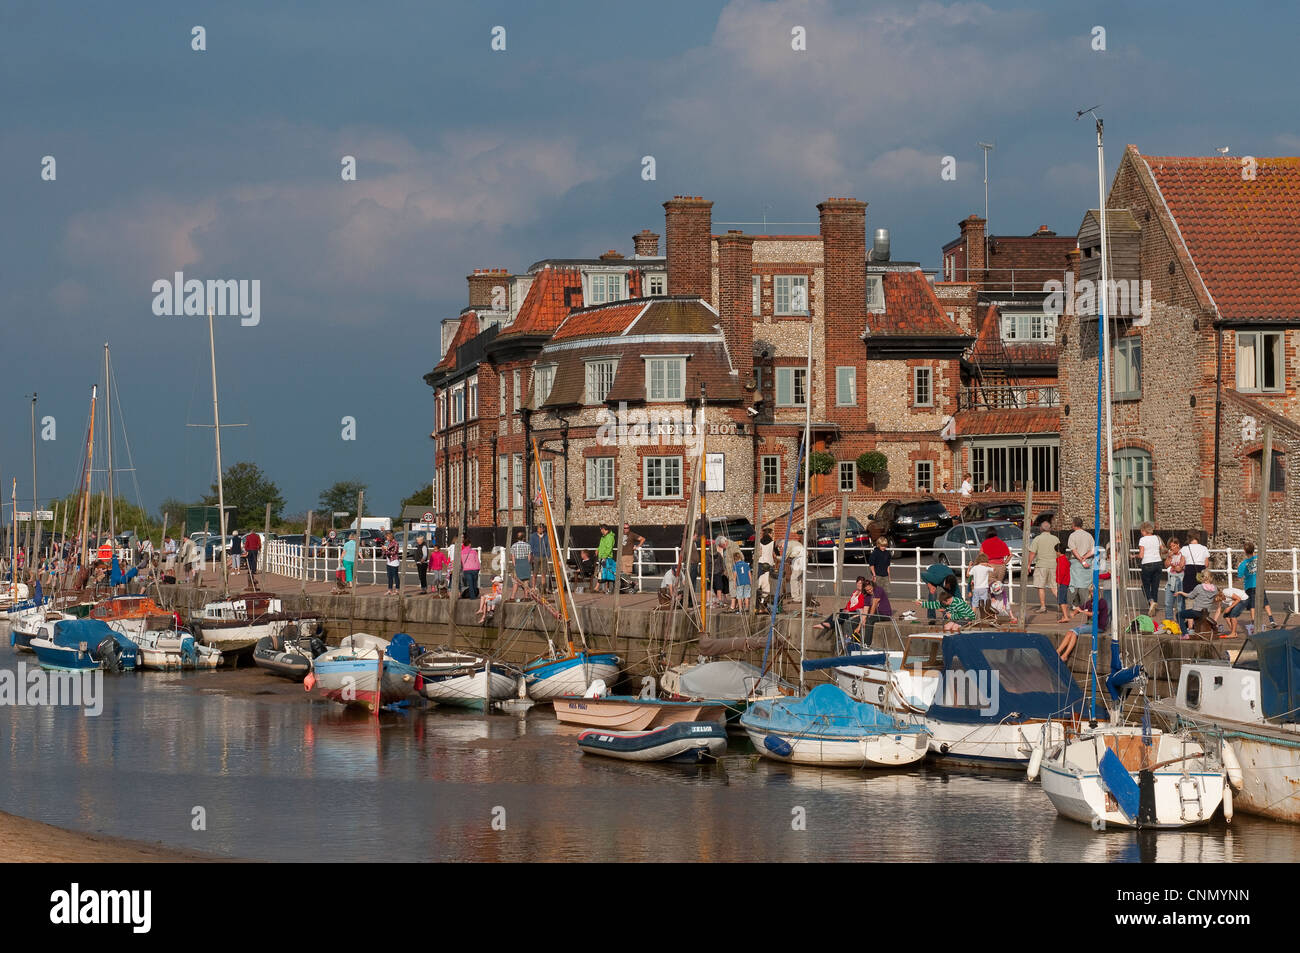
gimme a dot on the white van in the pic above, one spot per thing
(381, 523)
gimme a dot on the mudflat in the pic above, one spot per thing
(26, 841)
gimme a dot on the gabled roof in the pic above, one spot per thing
(465, 333)
(552, 295)
(600, 320)
(1242, 233)
(911, 309)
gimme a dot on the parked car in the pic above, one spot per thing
(824, 538)
(968, 537)
(739, 528)
(296, 539)
(915, 523)
(1008, 510)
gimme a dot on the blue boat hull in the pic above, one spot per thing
(681, 743)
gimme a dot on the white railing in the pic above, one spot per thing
(1282, 568)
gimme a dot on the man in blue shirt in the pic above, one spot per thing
(537, 543)
(743, 589)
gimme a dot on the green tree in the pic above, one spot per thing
(174, 510)
(247, 491)
(821, 462)
(126, 515)
(871, 464)
(421, 497)
(340, 498)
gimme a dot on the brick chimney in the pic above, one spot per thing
(645, 244)
(611, 255)
(481, 284)
(735, 299)
(972, 233)
(688, 223)
(844, 257)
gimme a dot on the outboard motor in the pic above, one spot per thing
(109, 655)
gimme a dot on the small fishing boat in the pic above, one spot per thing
(629, 713)
(830, 729)
(26, 617)
(83, 645)
(680, 742)
(362, 673)
(727, 682)
(132, 615)
(1136, 777)
(1253, 705)
(549, 677)
(464, 681)
(234, 626)
(288, 656)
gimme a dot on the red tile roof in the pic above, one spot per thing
(608, 319)
(552, 295)
(991, 423)
(1243, 234)
(911, 309)
(464, 334)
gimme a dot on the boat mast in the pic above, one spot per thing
(221, 492)
(561, 570)
(807, 475)
(108, 431)
(706, 534)
(13, 538)
(35, 544)
(90, 458)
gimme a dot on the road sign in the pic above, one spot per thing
(426, 518)
(25, 516)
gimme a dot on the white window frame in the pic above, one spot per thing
(792, 375)
(875, 294)
(503, 481)
(548, 480)
(851, 379)
(756, 291)
(917, 374)
(850, 468)
(783, 295)
(471, 399)
(600, 478)
(595, 388)
(473, 484)
(1126, 376)
(926, 467)
(1256, 362)
(664, 395)
(517, 478)
(605, 287)
(518, 387)
(775, 459)
(1029, 327)
(543, 381)
(458, 404)
(501, 394)
(665, 465)
(656, 285)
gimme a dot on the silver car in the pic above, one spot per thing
(967, 538)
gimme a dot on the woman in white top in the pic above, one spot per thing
(1198, 559)
(1152, 549)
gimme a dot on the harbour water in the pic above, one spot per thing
(276, 775)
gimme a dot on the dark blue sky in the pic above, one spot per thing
(225, 164)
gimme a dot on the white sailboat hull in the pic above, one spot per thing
(1187, 793)
(467, 691)
(878, 751)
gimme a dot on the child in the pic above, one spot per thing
(438, 563)
(1231, 600)
(743, 590)
(488, 602)
(1062, 582)
(980, 575)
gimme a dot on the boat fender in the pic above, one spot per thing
(778, 746)
(1035, 762)
(943, 748)
(1227, 803)
(1232, 766)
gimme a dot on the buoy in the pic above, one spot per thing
(778, 746)
(1227, 802)
(1233, 766)
(1035, 762)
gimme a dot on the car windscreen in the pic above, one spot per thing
(934, 508)
(1008, 532)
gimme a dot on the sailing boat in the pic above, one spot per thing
(826, 727)
(1121, 775)
(568, 673)
(26, 615)
(235, 626)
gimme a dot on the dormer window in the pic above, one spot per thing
(665, 378)
(543, 378)
(603, 288)
(1022, 328)
(876, 294)
(656, 285)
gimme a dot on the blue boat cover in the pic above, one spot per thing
(1279, 673)
(826, 710)
(991, 677)
(1119, 782)
(69, 632)
(399, 649)
(835, 661)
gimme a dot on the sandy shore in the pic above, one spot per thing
(25, 841)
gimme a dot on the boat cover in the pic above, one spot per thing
(399, 649)
(1279, 674)
(990, 677)
(827, 710)
(837, 661)
(71, 632)
(728, 681)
